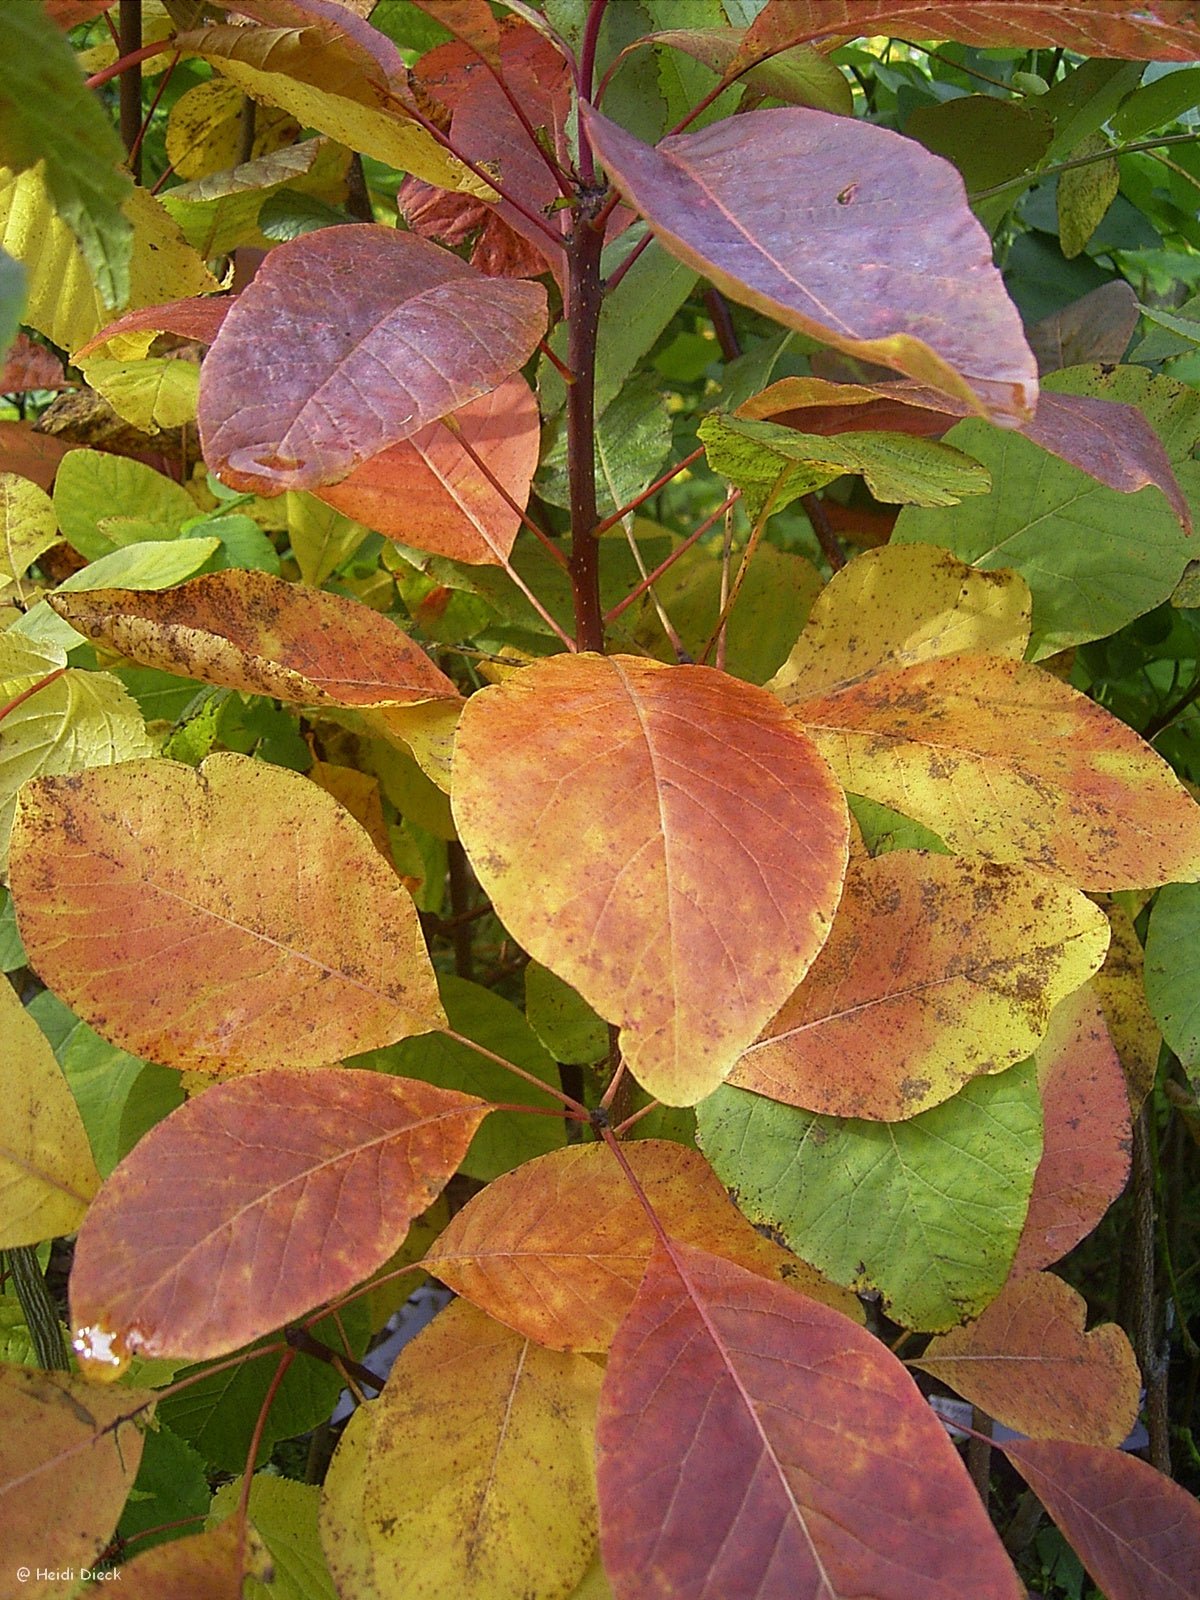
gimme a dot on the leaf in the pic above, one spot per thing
(557, 1248)
(897, 606)
(171, 1488)
(1085, 1155)
(1096, 327)
(1093, 27)
(202, 1566)
(204, 130)
(149, 394)
(422, 334)
(1028, 1363)
(333, 73)
(78, 720)
(284, 1515)
(50, 116)
(215, 1230)
(219, 213)
(256, 633)
(27, 526)
(429, 493)
(350, 1556)
(1137, 1532)
(857, 194)
(1120, 986)
(1094, 557)
(67, 1461)
(1084, 194)
(1005, 762)
(800, 77)
(198, 318)
(478, 1014)
(301, 946)
(1171, 972)
(754, 1443)
(480, 1480)
(63, 302)
(152, 564)
(927, 1211)
(697, 880)
(322, 539)
(774, 465)
(562, 1019)
(47, 1175)
(937, 970)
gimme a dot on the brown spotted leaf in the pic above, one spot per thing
(225, 918)
(430, 492)
(349, 340)
(67, 1463)
(255, 1202)
(663, 840)
(937, 970)
(1029, 1364)
(1004, 761)
(875, 253)
(250, 631)
(753, 1443)
(1085, 1154)
(557, 1248)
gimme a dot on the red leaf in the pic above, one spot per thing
(255, 1202)
(754, 1443)
(1136, 1532)
(875, 252)
(199, 318)
(430, 494)
(1085, 1153)
(1164, 31)
(32, 366)
(349, 340)
(499, 251)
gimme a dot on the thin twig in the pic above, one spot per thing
(697, 533)
(455, 429)
(659, 482)
(823, 528)
(1029, 178)
(511, 1066)
(26, 694)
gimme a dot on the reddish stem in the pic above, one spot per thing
(116, 68)
(823, 528)
(586, 74)
(561, 367)
(640, 589)
(586, 296)
(33, 688)
(131, 84)
(136, 153)
(510, 1066)
(264, 1411)
(642, 244)
(455, 430)
(671, 472)
(624, 1127)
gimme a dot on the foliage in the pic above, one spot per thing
(615, 743)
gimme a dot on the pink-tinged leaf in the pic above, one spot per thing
(199, 318)
(255, 1202)
(226, 918)
(497, 250)
(937, 970)
(67, 1464)
(30, 455)
(429, 492)
(70, 13)
(347, 341)
(1004, 761)
(754, 1443)
(250, 631)
(557, 1247)
(1136, 1532)
(660, 838)
(1029, 1364)
(1112, 442)
(32, 366)
(1166, 30)
(1085, 1154)
(469, 20)
(1096, 327)
(875, 252)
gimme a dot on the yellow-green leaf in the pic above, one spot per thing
(27, 526)
(151, 395)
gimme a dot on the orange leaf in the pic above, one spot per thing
(207, 1566)
(1028, 1362)
(663, 840)
(754, 1443)
(1004, 761)
(429, 493)
(937, 970)
(557, 1248)
(1085, 1154)
(293, 395)
(1136, 1532)
(255, 1202)
(250, 631)
(227, 918)
(67, 1464)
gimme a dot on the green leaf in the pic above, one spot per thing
(927, 1211)
(171, 1487)
(242, 543)
(884, 829)
(47, 115)
(1084, 195)
(92, 486)
(562, 1018)
(1156, 104)
(1094, 559)
(156, 564)
(12, 951)
(284, 1515)
(322, 538)
(633, 437)
(896, 467)
(12, 300)
(502, 1142)
(1173, 972)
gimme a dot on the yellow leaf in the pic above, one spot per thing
(898, 605)
(204, 130)
(47, 1174)
(1120, 985)
(62, 302)
(27, 525)
(427, 730)
(151, 395)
